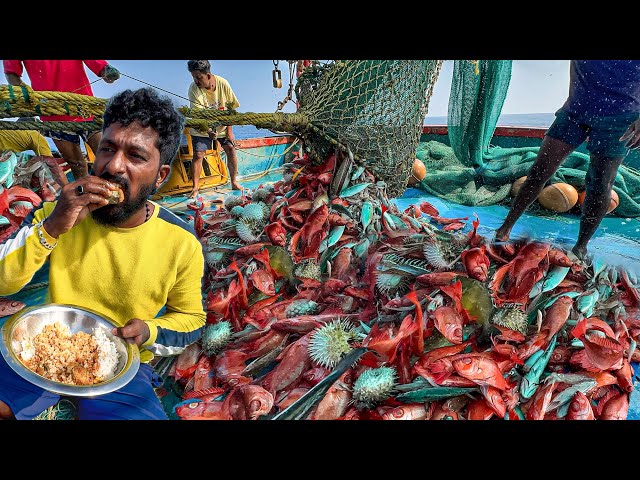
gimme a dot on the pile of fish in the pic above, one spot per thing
(25, 182)
(324, 301)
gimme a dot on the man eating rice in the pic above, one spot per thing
(112, 250)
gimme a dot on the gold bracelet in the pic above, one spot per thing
(43, 240)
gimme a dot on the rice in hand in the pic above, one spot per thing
(78, 359)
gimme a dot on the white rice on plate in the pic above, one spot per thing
(78, 359)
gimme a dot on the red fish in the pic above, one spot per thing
(412, 411)
(449, 323)
(479, 410)
(481, 370)
(556, 316)
(616, 408)
(385, 343)
(580, 408)
(9, 307)
(294, 361)
(337, 399)
(248, 402)
(476, 263)
(187, 361)
(197, 409)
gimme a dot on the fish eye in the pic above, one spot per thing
(193, 404)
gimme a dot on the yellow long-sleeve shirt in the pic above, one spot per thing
(123, 273)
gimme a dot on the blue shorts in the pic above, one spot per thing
(135, 401)
(69, 136)
(202, 144)
(603, 132)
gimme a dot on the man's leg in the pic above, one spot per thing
(598, 184)
(199, 145)
(232, 163)
(137, 400)
(20, 399)
(72, 154)
(551, 155)
(196, 168)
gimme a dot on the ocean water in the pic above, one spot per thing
(540, 120)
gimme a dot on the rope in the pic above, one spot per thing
(44, 126)
(162, 89)
(278, 121)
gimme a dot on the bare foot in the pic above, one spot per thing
(193, 193)
(236, 186)
(579, 252)
(501, 235)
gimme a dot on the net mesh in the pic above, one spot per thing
(374, 108)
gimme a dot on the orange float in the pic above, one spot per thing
(559, 197)
(614, 202)
(418, 172)
(515, 186)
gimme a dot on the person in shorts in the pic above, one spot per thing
(211, 91)
(64, 76)
(603, 109)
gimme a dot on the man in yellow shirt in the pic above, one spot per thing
(211, 91)
(133, 261)
(23, 140)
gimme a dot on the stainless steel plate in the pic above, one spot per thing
(30, 321)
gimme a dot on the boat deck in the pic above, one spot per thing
(616, 240)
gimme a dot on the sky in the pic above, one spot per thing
(537, 86)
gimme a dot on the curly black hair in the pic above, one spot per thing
(199, 66)
(146, 106)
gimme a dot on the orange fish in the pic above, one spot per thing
(248, 402)
(412, 411)
(494, 400)
(336, 401)
(540, 401)
(449, 323)
(479, 410)
(384, 343)
(556, 316)
(616, 408)
(580, 408)
(481, 370)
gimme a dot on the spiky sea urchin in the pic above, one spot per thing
(237, 211)
(330, 343)
(301, 307)
(231, 201)
(512, 318)
(260, 194)
(308, 268)
(373, 386)
(215, 337)
(390, 284)
(254, 211)
(249, 231)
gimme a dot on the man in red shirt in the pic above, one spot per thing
(64, 76)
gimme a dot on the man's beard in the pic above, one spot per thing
(114, 215)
